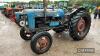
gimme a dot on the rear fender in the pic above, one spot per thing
(81, 9)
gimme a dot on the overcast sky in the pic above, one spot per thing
(15, 0)
(27, 0)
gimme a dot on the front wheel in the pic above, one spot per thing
(26, 35)
(79, 26)
(41, 42)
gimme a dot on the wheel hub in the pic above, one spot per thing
(81, 25)
(42, 42)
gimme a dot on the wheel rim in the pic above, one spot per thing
(81, 25)
(42, 43)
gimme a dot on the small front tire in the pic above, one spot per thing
(41, 42)
(26, 35)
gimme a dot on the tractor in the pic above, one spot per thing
(38, 21)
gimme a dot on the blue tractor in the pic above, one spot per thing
(38, 21)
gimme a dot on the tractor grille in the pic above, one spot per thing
(24, 17)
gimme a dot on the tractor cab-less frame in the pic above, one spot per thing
(39, 21)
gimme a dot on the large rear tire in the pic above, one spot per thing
(79, 25)
(41, 42)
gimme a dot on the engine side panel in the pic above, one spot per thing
(31, 21)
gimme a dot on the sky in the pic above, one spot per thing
(25, 0)
(14, 0)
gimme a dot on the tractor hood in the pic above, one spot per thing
(49, 12)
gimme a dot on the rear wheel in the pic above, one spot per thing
(41, 42)
(26, 35)
(79, 26)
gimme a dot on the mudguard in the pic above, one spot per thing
(76, 11)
